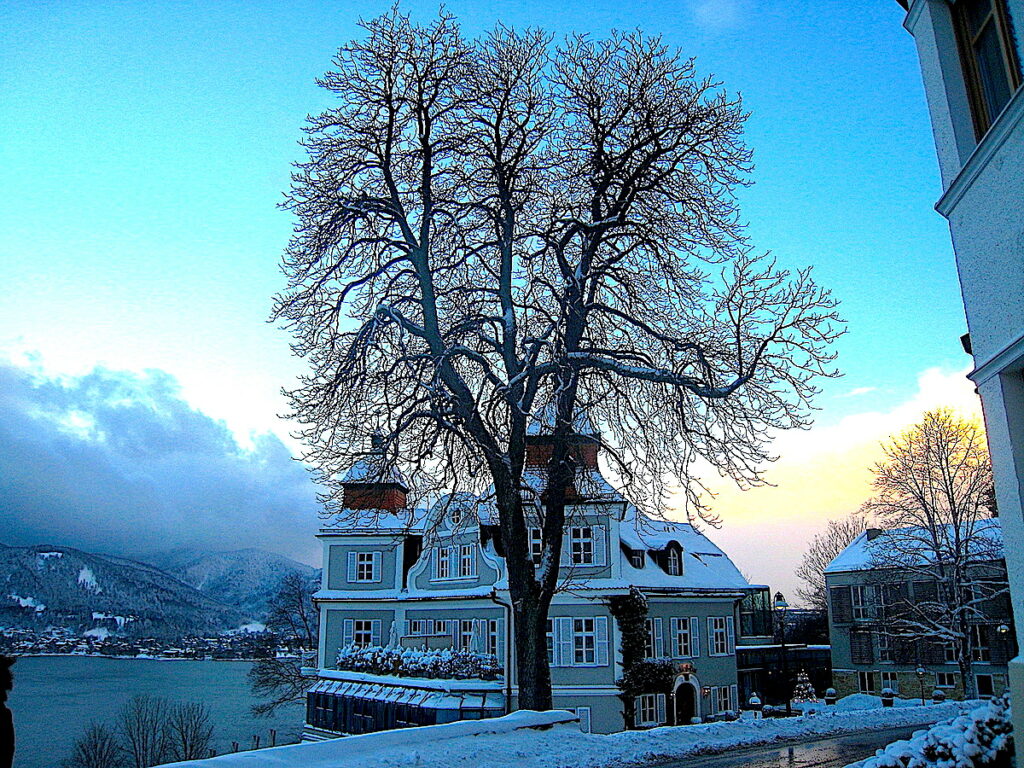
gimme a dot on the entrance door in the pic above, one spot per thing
(686, 704)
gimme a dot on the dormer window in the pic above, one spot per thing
(636, 558)
(582, 539)
(991, 70)
(674, 562)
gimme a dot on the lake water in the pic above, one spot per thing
(55, 697)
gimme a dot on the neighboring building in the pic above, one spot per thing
(970, 53)
(866, 603)
(436, 579)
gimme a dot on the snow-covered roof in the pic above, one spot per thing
(590, 485)
(372, 468)
(544, 423)
(370, 521)
(705, 566)
(863, 553)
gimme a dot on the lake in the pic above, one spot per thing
(55, 697)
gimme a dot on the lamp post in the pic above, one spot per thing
(780, 611)
(920, 682)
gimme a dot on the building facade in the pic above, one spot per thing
(435, 580)
(869, 650)
(970, 53)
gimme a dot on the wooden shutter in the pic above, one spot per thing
(861, 647)
(435, 564)
(660, 708)
(734, 698)
(730, 634)
(711, 637)
(694, 636)
(842, 604)
(375, 632)
(659, 639)
(926, 592)
(636, 711)
(376, 576)
(601, 640)
(600, 546)
(673, 634)
(563, 642)
(351, 567)
(347, 631)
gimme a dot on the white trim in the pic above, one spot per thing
(1002, 360)
(993, 140)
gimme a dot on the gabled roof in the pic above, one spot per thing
(863, 552)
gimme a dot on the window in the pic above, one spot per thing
(945, 680)
(536, 544)
(584, 642)
(857, 594)
(682, 638)
(362, 632)
(444, 563)
(636, 558)
(650, 709)
(986, 685)
(949, 653)
(720, 697)
(862, 647)
(674, 563)
(654, 644)
(979, 637)
(467, 561)
(364, 567)
(649, 639)
(885, 648)
(891, 680)
(493, 638)
(866, 682)
(991, 70)
(551, 642)
(421, 627)
(718, 635)
(465, 634)
(582, 541)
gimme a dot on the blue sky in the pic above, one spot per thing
(144, 147)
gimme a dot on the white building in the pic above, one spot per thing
(436, 579)
(970, 53)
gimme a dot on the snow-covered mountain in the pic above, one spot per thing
(45, 585)
(244, 578)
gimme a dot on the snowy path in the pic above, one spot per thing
(822, 753)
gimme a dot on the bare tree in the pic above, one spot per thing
(295, 619)
(824, 547)
(189, 731)
(934, 496)
(291, 613)
(143, 729)
(499, 235)
(97, 747)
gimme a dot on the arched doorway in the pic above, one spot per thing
(684, 700)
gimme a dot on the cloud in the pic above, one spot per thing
(718, 15)
(858, 391)
(823, 473)
(118, 462)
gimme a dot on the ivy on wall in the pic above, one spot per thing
(639, 674)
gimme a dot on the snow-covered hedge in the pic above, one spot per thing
(977, 738)
(415, 662)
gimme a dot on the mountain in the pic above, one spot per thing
(246, 578)
(45, 585)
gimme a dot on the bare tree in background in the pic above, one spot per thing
(294, 619)
(189, 731)
(498, 234)
(98, 747)
(933, 494)
(143, 721)
(824, 547)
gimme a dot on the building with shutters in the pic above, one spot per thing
(429, 580)
(970, 53)
(868, 652)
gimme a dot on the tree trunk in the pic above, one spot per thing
(534, 673)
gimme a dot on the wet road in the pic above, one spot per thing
(833, 752)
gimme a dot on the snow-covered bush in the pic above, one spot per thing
(976, 738)
(416, 662)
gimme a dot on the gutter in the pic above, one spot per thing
(508, 649)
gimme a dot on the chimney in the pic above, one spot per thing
(874, 533)
(370, 484)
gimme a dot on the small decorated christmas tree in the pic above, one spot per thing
(804, 691)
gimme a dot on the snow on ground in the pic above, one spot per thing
(87, 580)
(48, 555)
(502, 742)
(100, 633)
(28, 602)
(253, 627)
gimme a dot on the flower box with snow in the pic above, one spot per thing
(433, 664)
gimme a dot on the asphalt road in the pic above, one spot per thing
(834, 752)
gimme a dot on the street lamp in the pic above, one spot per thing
(780, 611)
(921, 671)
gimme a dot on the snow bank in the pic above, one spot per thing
(506, 741)
(975, 738)
(87, 580)
(28, 602)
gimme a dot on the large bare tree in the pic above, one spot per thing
(933, 494)
(822, 550)
(505, 234)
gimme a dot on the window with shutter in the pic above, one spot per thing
(842, 605)
(861, 650)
